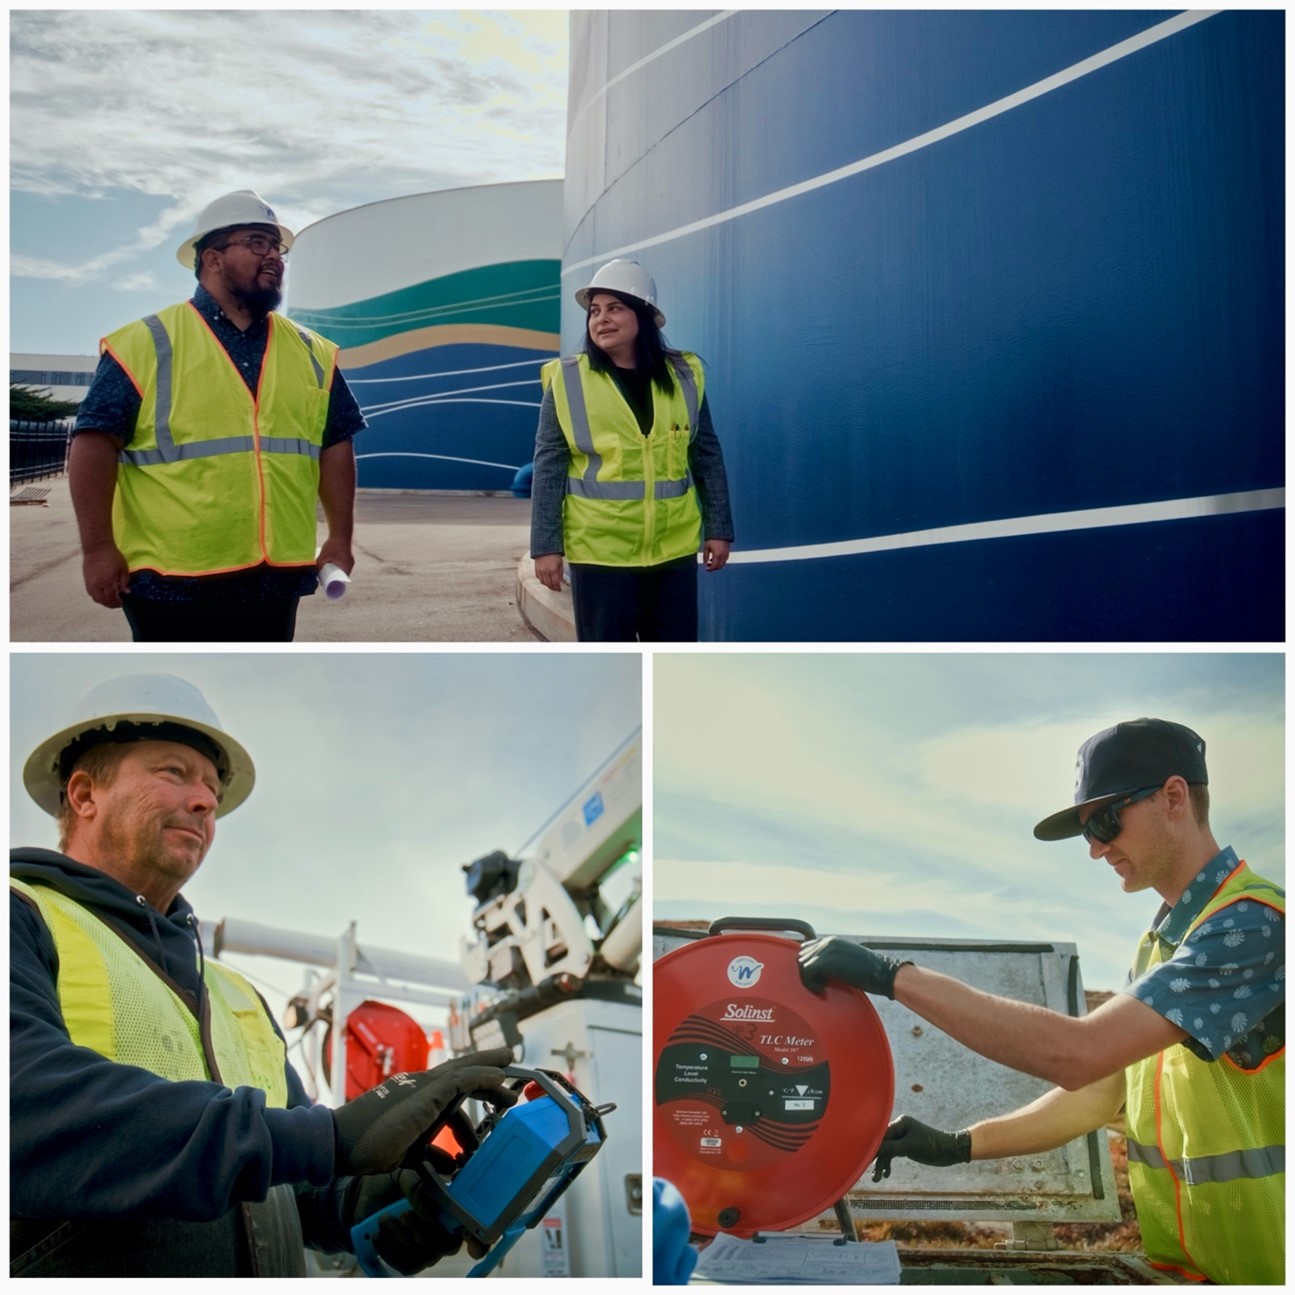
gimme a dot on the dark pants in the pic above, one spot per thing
(636, 604)
(211, 622)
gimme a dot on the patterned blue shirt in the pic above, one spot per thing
(1225, 983)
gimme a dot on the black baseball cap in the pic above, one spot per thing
(1121, 760)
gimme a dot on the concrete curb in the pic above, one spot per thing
(549, 614)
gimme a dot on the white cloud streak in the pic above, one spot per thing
(877, 793)
(318, 110)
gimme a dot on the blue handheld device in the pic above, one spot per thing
(529, 1154)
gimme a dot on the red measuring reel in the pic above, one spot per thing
(770, 1100)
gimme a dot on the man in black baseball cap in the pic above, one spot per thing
(1125, 761)
(1192, 1050)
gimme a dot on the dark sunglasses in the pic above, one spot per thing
(1104, 824)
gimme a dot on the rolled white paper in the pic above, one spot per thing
(333, 580)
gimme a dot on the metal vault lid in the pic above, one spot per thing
(942, 1083)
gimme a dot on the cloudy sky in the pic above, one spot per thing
(378, 776)
(896, 794)
(124, 125)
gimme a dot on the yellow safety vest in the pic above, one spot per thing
(115, 1003)
(216, 479)
(630, 499)
(1207, 1142)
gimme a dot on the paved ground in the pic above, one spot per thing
(429, 568)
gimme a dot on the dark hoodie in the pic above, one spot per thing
(115, 1171)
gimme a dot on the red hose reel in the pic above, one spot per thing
(770, 1101)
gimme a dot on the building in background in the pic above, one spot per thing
(991, 303)
(445, 305)
(64, 377)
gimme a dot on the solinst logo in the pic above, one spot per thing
(733, 1012)
(744, 971)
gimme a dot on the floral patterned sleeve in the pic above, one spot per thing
(1225, 985)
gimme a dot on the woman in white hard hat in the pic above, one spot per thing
(629, 477)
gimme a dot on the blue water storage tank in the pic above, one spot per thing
(445, 306)
(992, 305)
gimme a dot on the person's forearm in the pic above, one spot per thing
(1056, 1118)
(1021, 1035)
(551, 463)
(92, 482)
(706, 463)
(337, 491)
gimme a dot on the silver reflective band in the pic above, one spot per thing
(225, 445)
(688, 385)
(319, 368)
(673, 489)
(168, 451)
(587, 489)
(1262, 1162)
(165, 372)
(580, 432)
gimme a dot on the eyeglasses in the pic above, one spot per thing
(1104, 824)
(258, 245)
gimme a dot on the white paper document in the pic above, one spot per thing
(780, 1259)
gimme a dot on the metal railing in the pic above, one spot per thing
(37, 450)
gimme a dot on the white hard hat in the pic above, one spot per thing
(232, 210)
(624, 276)
(138, 708)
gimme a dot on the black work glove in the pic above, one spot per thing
(833, 958)
(909, 1137)
(416, 1239)
(379, 1129)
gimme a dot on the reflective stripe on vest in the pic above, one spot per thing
(1258, 1163)
(1207, 1156)
(601, 522)
(116, 1003)
(218, 478)
(168, 451)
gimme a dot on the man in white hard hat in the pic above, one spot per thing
(1193, 1049)
(156, 1127)
(209, 433)
(629, 480)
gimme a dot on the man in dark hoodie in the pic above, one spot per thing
(156, 1126)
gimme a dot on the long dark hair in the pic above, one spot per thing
(651, 354)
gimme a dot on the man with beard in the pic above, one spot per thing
(207, 435)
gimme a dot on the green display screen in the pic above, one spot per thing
(744, 1063)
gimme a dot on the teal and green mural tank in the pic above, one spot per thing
(992, 304)
(445, 306)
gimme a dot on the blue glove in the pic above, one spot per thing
(673, 1259)
(412, 1231)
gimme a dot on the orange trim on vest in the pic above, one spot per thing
(1241, 863)
(1169, 1167)
(256, 438)
(1236, 900)
(1281, 1052)
(1174, 1268)
(220, 346)
(103, 346)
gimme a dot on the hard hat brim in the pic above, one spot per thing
(185, 255)
(585, 295)
(41, 774)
